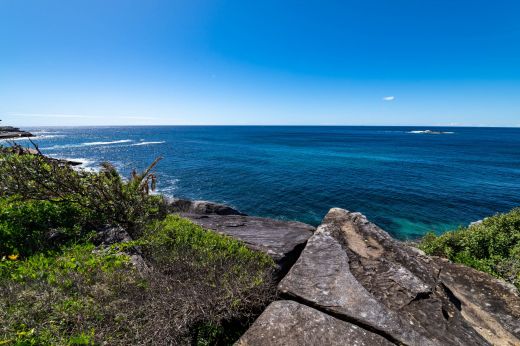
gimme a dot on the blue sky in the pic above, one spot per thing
(117, 62)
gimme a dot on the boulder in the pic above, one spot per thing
(288, 323)
(201, 207)
(282, 240)
(356, 272)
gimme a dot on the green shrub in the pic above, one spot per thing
(105, 195)
(492, 246)
(30, 226)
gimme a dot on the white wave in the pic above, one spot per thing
(107, 143)
(87, 144)
(148, 143)
(432, 132)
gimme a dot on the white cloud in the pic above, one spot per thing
(388, 98)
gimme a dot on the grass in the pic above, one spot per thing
(204, 289)
(492, 246)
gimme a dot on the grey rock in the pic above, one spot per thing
(200, 207)
(282, 240)
(110, 235)
(288, 323)
(357, 272)
(321, 278)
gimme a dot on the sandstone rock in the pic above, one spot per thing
(287, 323)
(490, 305)
(321, 278)
(354, 270)
(282, 240)
(201, 207)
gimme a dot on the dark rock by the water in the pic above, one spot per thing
(288, 323)
(353, 271)
(8, 132)
(282, 240)
(201, 207)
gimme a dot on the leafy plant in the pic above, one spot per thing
(492, 246)
(26, 175)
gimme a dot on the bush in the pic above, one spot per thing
(30, 226)
(105, 195)
(492, 246)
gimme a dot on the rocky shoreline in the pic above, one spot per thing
(9, 132)
(350, 282)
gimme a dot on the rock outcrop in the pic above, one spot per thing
(355, 273)
(282, 240)
(8, 132)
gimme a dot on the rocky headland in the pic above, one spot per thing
(350, 282)
(9, 132)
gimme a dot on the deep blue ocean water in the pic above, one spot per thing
(406, 182)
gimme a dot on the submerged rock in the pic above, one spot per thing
(288, 323)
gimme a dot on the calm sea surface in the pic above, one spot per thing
(406, 181)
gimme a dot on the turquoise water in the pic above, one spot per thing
(406, 181)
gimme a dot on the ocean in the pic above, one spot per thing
(405, 179)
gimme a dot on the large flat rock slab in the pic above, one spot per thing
(288, 323)
(356, 272)
(282, 240)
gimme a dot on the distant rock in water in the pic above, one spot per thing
(8, 132)
(432, 132)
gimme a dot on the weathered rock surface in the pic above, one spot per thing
(490, 305)
(288, 323)
(201, 207)
(321, 278)
(282, 240)
(356, 272)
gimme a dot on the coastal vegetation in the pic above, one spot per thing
(168, 281)
(492, 246)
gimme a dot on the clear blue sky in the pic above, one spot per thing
(93, 62)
